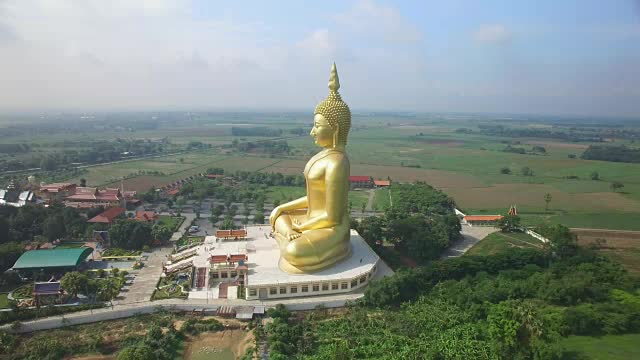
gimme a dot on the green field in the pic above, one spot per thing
(422, 147)
(608, 347)
(4, 301)
(499, 242)
(170, 222)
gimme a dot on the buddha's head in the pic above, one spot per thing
(332, 118)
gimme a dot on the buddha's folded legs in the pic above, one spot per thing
(313, 249)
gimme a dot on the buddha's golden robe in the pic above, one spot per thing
(327, 240)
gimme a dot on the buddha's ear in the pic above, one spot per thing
(336, 135)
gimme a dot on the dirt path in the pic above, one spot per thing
(372, 194)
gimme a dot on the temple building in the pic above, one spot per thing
(361, 182)
(90, 197)
(56, 191)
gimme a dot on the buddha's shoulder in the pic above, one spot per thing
(337, 160)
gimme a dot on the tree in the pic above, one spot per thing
(48, 163)
(509, 223)
(363, 207)
(547, 200)
(4, 230)
(53, 227)
(83, 182)
(371, 230)
(562, 242)
(616, 185)
(74, 282)
(258, 218)
(228, 223)
(505, 170)
(526, 171)
(161, 233)
(516, 328)
(130, 234)
(595, 176)
(9, 253)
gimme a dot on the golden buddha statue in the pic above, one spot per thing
(313, 231)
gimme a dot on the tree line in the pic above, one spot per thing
(620, 153)
(514, 305)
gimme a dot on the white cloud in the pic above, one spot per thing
(492, 34)
(385, 22)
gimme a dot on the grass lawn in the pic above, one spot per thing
(171, 222)
(357, 198)
(608, 347)
(189, 240)
(381, 199)
(4, 301)
(284, 193)
(498, 242)
(160, 294)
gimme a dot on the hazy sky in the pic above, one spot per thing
(557, 56)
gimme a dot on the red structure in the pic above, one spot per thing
(107, 216)
(146, 216)
(361, 181)
(89, 197)
(231, 234)
(382, 183)
(56, 191)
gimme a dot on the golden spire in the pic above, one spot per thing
(334, 81)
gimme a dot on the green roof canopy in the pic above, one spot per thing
(52, 258)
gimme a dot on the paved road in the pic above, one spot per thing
(145, 279)
(470, 236)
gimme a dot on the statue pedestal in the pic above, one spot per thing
(265, 279)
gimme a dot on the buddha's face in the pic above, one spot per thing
(322, 132)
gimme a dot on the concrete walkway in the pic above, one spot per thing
(145, 279)
(471, 235)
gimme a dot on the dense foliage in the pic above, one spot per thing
(130, 234)
(620, 153)
(421, 223)
(515, 305)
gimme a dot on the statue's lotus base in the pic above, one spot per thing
(272, 277)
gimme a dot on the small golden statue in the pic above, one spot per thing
(313, 231)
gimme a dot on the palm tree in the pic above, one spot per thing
(109, 290)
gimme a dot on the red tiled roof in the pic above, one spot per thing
(146, 215)
(173, 192)
(217, 259)
(382, 182)
(483, 217)
(359, 178)
(56, 187)
(107, 216)
(238, 257)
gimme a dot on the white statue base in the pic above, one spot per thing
(265, 280)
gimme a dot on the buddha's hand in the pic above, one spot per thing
(292, 235)
(295, 224)
(275, 213)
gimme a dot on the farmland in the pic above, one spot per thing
(467, 165)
